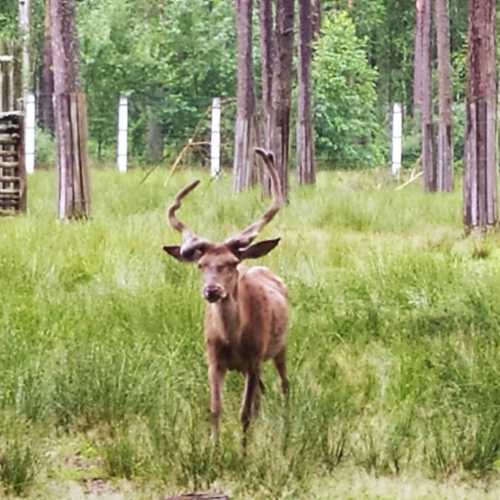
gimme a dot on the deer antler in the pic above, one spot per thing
(245, 237)
(190, 242)
(174, 221)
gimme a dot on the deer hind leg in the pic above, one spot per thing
(261, 389)
(216, 380)
(280, 364)
(247, 405)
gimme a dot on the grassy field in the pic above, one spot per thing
(394, 348)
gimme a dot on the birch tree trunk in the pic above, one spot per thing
(423, 90)
(282, 88)
(245, 97)
(69, 113)
(480, 168)
(444, 165)
(305, 133)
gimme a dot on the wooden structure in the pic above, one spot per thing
(12, 158)
(71, 124)
(12, 168)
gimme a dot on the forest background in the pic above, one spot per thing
(173, 61)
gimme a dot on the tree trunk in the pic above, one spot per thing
(480, 169)
(282, 89)
(316, 18)
(444, 141)
(69, 113)
(267, 51)
(46, 110)
(423, 90)
(305, 134)
(24, 30)
(267, 57)
(245, 126)
(154, 138)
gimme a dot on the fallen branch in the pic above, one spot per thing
(409, 181)
(177, 161)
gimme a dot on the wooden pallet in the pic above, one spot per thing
(12, 168)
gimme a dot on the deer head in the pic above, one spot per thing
(218, 261)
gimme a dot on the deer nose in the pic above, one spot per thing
(213, 293)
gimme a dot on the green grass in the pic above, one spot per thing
(394, 347)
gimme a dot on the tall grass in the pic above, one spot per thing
(394, 351)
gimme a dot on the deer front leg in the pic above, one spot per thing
(251, 387)
(280, 364)
(216, 379)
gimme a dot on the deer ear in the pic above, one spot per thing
(259, 249)
(174, 251)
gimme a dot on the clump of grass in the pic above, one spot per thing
(120, 454)
(17, 466)
(19, 458)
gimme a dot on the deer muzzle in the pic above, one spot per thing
(214, 293)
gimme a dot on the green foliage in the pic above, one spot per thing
(348, 131)
(45, 148)
(8, 19)
(18, 457)
(170, 63)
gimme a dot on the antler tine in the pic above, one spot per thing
(172, 219)
(246, 236)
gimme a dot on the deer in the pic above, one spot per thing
(246, 315)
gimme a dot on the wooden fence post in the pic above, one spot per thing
(215, 140)
(74, 189)
(397, 138)
(122, 148)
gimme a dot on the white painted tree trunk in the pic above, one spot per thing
(122, 150)
(28, 96)
(29, 132)
(215, 140)
(397, 138)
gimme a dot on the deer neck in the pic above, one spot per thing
(228, 317)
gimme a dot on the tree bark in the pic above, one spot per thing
(245, 126)
(267, 53)
(305, 133)
(316, 18)
(444, 165)
(69, 113)
(423, 90)
(267, 57)
(46, 110)
(282, 89)
(480, 169)
(154, 137)
(24, 31)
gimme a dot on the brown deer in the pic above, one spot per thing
(247, 312)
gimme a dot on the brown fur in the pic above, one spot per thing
(243, 328)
